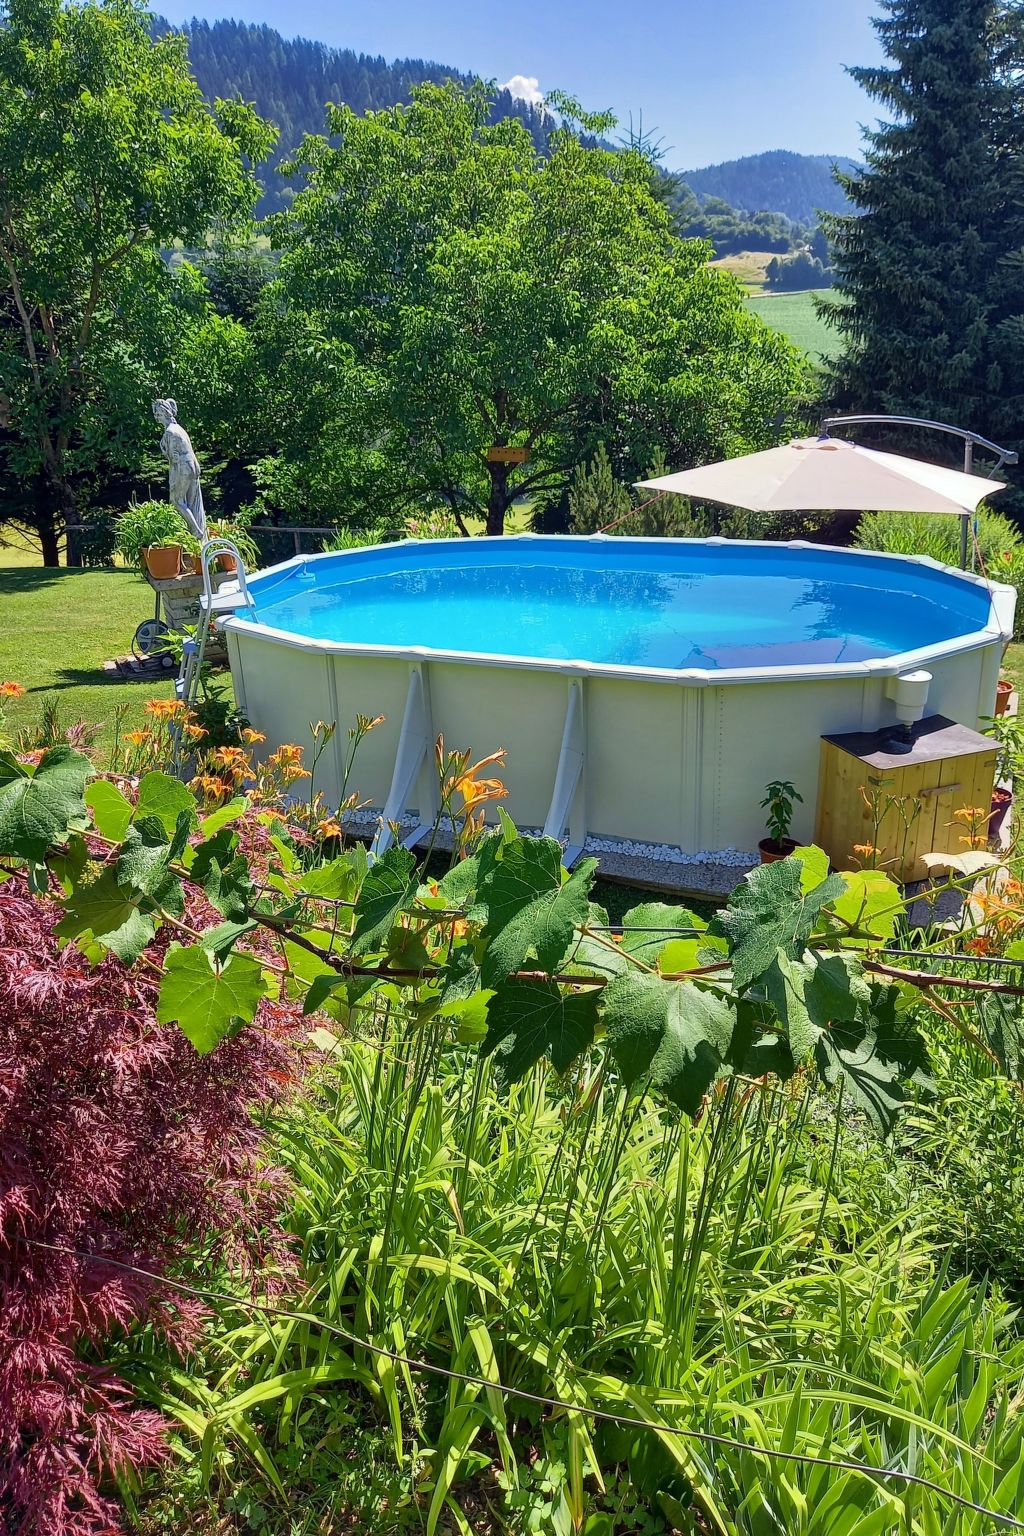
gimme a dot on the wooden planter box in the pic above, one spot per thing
(913, 796)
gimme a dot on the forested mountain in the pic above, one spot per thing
(780, 181)
(290, 80)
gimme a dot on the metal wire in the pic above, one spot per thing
(625, 1421)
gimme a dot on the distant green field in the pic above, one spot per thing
(795, 316)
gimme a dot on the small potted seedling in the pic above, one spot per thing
(1004, 693)
(780, 797)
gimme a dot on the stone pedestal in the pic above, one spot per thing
(179, 602)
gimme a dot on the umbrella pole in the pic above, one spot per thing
(965, 527)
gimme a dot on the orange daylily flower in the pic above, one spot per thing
(12, 691)
(251, 736)
(138, 738)
(165, 709)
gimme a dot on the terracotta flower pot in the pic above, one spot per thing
(771, 851)
(227, 563)
(1002, 799)
(1004, 691)
(163, 561)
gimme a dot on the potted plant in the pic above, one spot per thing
(1004, 692)
(1008, 733)
(150, 534)
(238, 533)
(780, 796)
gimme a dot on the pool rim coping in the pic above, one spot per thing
(1002, 602)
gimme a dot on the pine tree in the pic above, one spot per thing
(914, 262)
(596, 498)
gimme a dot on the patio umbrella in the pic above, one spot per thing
(826, 474)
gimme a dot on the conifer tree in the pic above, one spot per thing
(913, 262)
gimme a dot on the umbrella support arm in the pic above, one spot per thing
(971, 440)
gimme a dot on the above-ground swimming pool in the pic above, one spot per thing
(645, 689)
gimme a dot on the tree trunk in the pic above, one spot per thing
(498, 500)
(48, 542)
(48, 521)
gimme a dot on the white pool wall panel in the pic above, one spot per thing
(679, 759)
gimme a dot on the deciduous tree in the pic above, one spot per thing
(447, 289)
(107, 153)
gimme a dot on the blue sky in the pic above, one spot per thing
(717, 78)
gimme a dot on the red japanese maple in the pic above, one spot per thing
(119, 1142)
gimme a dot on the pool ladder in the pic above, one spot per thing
(186, 686)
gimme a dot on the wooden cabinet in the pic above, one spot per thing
(903, 803)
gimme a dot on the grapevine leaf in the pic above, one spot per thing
(647, 929)
(205, 1002)
(320, 989)
(166, 798)
(530, 909)
(810, 994)
(143, 866)
(38, 811)
(460, 977)
(223, 816)
(220, 941)
(813, 863)
(224, 875)
(673, 1033)
(111, 811)
(897, 1039)
(460, 887)
(871, 1081)
(112, 917)
(770, 911)
(528, 1019)
(388, 889)
(337, 880)
(871, 907)
(1003, 1031)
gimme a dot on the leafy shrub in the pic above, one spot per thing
(543, 1158)
(969, 1150)
(558, 1239)
(147, 523)
(922, 533)
(116, 1140)
(1009, 567)
(96, 541)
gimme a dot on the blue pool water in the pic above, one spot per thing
(623, 602)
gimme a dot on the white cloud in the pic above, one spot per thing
(525, 88)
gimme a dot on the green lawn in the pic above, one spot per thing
(58, 627)
(795, 316)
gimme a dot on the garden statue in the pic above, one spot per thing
(184, 489)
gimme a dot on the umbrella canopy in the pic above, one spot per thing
(819, 474)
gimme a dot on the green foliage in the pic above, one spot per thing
(917, 533)
(40, 810)
(501, 326)
(556, 1162)
(725, 1278)
(109, 154)
(927, 265)
(206, 999)
(779, 801)
(798, 185)
(797, 272)
(148, 523)
(596, 498)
